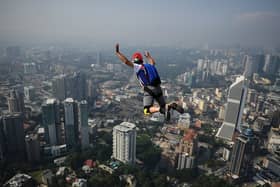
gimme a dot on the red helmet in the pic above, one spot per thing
(137, 57)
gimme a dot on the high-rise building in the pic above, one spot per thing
(272, 64)
(249, 66)
(29, 68)
(124, 142)
(51, 120)
(59, 87)
(14, 135)
(234, 109)
(13, 51)
(80, 86)
(83, 123)
(253, 64)
(71, 122)
(1, 140)
(16, 101)
(242, 154)
(32, 148)
(29, 92)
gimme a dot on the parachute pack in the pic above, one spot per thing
(148, 75)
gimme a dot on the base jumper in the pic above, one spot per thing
(149, 79)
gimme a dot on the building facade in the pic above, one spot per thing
(124, 142)
(234, 109)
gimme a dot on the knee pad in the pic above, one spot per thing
(147, 110)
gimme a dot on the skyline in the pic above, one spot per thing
(161, 23)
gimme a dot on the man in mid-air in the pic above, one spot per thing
(150, 81)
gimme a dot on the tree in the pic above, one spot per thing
(210, 181)
(147, 152)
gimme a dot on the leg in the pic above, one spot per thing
(147, 103)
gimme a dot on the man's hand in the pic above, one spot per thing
(149, 57)
(147, 54)
(117, 48)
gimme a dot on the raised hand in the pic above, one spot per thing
(117, 48)
(147, 54)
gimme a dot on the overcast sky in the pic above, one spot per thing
(145, 22)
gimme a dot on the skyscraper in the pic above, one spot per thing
(234, 109)
(242, 154)
(272, 64)
(16, 101)
(124, 142)
(83, 123)
(32, 148)
(71, 122)
(59, 87)
(1, 140)
(14, 135)
(50, 117)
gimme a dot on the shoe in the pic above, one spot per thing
(177, 107)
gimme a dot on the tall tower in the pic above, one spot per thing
(59, 87)
(124, 142)
(51, 120)
(14, 135)
(83, 123)
(32, 148)
(1, 140)
(16, 101)
(71, 122)
(242, 154)
(234, 109)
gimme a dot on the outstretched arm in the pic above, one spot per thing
(122, 57)
(149, 58)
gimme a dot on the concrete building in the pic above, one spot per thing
(83, 123)
(226, 154)
(51, 120)
(59, 87)
(271, 65)
(14, 135)
(1, 140)
(189, 143)
(29, 93)
(185, 161)
(29, 68)
(71, 122)
(124, 142)
(234, 109)
(13, 51)
(32, 148)
(16, 101)
(274, 140)
(242, 154)
(184, 120)
(272, 163)
(76, 86)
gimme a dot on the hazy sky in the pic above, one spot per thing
(144, 22)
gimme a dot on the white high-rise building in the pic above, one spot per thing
(124, 142)
(83, 123)
(234, 109)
